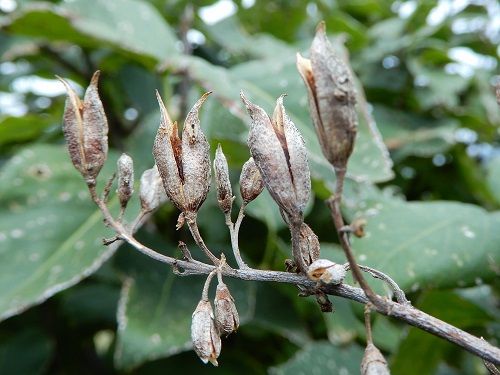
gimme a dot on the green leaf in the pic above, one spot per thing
(493, 177)
(155, 308)
(51, 232)
(22, 129)
(322, 358)
(32, 345)
(429, 244)
(443, 305)
(128, 25)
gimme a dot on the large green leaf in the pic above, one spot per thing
(51, 233)
(493, 177)
(128, 25)
(429, 244)
(155, 308)
(322, 358)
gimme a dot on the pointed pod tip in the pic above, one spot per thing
(95, 78)
(321, 27)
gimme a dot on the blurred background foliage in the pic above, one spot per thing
(426, 178)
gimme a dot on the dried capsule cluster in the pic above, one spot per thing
(207, 327)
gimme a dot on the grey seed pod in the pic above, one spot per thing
(309, 244)
(227, 319)
(373, 362)
(152, 194)
(326, 272)
(224, 191)
(85, 129)
(280, 155)
(125, 166)
(332, 99)
(206, 340)
(251, 183)
(184, 165)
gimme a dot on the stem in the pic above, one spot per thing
(338, 220)
(368, 325)
(234, 232)
(296, 250)
(398, 292)
(204, 293)
(193, 228)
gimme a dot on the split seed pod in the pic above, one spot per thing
(206, 339)
(85, 129)
(224, 191)
(184, 164)
(227, 319)
(125, 189)
(279, 153)
(332, 99)
(152, 193)
(251, 183)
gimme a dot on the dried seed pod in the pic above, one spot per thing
(152, 193)
(373, 362)
(85, 129)
(332, 99)
(224, 191)
(251, 183)
(326, 272)
(281, 157)
(184, 164)
(125, 166)
(227, 319)
(206, 340)
(309, 244)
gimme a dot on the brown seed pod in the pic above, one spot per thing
(251, 183)
(280, 155)
(224, 191)
(373, 362)
(125, 166)
(227, 319)
(206, 339)
(85, 129)
(184, 164)
(332, 99)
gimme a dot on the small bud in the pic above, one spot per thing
(251, 183)
(227, 319)
(309, 244)
(358, 227)
(373, 362)
(332, 99)
(279, 152)
(326, 272)
(152, 193)
(206, 340)
(184, 164)
(125, 189)
(224, 191)
(85, 129)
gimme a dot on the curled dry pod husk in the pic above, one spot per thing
(373, 362)
(251, 183)
(309, 244)
(224, 191)
(227, 319)
(279, 152)
(332, 99)
(206, 339)
(85, 129)
(184, 164)
(152, 194)
(125, 166)
(326, 272)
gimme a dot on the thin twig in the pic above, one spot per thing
(338, 220)
(234, 234)
(403, 312)
(368, 325)
(193, 228)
